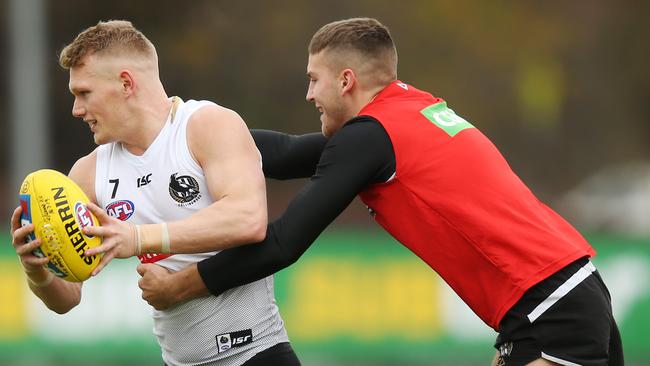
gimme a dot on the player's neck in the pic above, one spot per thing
(362, 98)
(148, 121)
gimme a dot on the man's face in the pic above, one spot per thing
(324, 90)
(97, 99)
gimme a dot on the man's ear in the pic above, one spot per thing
(128, 82)
(348, 79)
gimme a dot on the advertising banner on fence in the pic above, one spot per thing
(354, 297)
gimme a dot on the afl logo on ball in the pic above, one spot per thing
(83, 216)
(184, 189)
(121, 210)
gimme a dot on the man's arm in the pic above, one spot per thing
(222, 145)
(344, 170)
(58, 295)
(287, 156)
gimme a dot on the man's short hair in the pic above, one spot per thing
(108, 36)
(365, 36)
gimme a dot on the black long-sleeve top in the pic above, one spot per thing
(358, 155)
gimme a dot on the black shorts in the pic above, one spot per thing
(281, 354)
(567, 319)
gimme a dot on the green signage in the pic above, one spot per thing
(445, 118)
(354, 297)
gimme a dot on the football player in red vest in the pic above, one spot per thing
(440, 187)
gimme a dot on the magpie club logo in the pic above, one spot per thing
(184, 189)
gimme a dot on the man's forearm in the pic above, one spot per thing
(58, 295)
(287, 156)
(186, 285)
(245, 264)
(342, 173)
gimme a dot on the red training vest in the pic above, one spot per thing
(455, 202)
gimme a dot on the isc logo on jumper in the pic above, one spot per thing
(227, 341)
(83, 216)
(122, 209)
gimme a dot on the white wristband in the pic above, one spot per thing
(166, 245)
(46, 282)
(152, 238)
(138, 240)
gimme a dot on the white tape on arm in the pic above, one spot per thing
(138, 240)
(166, 245)
(46, 282)
(154, 238)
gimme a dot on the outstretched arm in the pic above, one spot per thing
(344, 170)
(287, 156)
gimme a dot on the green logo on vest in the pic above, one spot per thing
(445, 118)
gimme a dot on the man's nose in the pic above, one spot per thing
(78, 110)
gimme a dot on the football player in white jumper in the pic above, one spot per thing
(173, 181)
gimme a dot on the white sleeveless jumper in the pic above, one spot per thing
(166, 184)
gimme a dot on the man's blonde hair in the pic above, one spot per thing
(108, 36)
(366, 37)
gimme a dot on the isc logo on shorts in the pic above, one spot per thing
(227, 341)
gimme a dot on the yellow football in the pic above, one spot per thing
(57, 207)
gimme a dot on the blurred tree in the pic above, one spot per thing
(560, 87)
